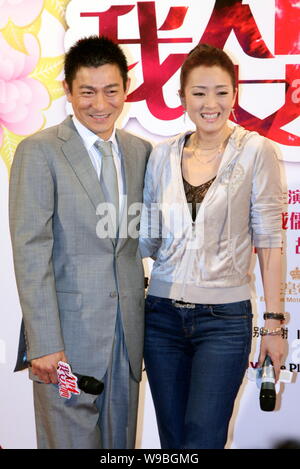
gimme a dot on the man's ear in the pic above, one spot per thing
(66, 89)
(127, 87)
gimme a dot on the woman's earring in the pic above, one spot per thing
(233, 113)
(183, 105)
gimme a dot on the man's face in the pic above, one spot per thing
(98, 97)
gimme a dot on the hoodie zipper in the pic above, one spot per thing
(193, 223)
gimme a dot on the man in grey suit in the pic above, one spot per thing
(78, 269)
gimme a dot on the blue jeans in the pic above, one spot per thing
(195, 358)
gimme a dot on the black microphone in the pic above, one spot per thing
(89, 385)
(267, 396)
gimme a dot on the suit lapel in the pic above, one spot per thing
(79, 160)
(78, 157)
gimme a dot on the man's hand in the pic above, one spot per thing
(45, 368)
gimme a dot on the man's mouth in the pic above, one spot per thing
(99, 116)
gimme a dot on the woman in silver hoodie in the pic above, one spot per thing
(210, 196)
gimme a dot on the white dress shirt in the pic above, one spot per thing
(89, 138)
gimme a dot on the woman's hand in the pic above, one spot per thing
(272, 345)
(270, 261)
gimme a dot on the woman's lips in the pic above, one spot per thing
(210, 117)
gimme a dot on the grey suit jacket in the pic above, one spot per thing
(70, 280)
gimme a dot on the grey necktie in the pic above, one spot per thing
(109, 180)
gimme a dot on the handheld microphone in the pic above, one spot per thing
(89, 385)
(267, 396)
(71, 383)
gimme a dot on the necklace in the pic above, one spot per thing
(216, 150)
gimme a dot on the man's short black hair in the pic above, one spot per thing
(94, 51)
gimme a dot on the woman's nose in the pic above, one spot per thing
(210, 101)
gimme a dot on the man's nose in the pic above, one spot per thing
(99, 101)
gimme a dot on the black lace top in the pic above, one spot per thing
(195, 195)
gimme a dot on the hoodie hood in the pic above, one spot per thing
(236, 142)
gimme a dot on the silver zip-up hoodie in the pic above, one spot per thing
(207, 261)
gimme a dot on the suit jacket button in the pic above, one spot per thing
(113, 294)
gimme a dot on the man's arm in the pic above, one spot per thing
(31, 208)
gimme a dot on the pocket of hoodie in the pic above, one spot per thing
(241, 253)
(221, 264)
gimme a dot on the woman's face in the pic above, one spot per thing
(208, 98)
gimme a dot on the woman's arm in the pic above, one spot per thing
(150, 229)
(266, 209)
(270, 267)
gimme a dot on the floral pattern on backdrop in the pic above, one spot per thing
(28, 81)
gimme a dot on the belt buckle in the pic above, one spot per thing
(183, 304)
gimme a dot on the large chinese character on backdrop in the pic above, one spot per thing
(156, 39)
